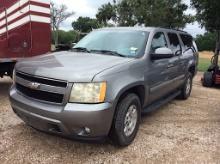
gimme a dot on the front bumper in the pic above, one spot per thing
(72, 120)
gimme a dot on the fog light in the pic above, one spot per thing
(87, 130)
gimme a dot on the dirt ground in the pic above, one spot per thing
(181, 131)
(206, 54)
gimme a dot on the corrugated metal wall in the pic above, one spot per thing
(27, 31)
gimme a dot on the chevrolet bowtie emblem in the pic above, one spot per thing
(33, 86)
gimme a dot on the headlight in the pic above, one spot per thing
(88, 93)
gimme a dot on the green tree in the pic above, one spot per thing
(85, 24)
(67, 37)
(58, 15)
(208, 14)
(206, 42)
(126, 13)
(106, 13)
(163, 13)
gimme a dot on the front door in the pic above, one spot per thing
(157, 74)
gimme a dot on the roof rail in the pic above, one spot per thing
(173, 29)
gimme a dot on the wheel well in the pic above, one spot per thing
(6, 68)
(192, 69)
(138, 90)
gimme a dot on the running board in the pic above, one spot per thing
(160, 103)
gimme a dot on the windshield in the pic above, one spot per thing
(125, 43)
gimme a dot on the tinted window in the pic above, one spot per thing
(158, 41)
(174, 42)
(187, 41)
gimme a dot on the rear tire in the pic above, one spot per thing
(187, 88)
(208, 79)
(126, 121)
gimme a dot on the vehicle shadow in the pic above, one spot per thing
(217, 86)
(5, 84)
(69, 145)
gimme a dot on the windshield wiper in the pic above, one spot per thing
(108, 52)
(81, 49)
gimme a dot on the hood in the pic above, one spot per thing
(69, 66)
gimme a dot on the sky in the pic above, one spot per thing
(89, 8)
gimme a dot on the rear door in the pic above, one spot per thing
(174, 66)
(190, 53)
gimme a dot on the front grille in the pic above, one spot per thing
(47, 90)
(42, 80)
(40, 95)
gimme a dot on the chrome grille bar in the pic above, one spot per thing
(40, 88)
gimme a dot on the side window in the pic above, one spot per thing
(187, 41)
(159, 41)
(174, 42)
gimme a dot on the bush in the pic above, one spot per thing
(206, 42)
(66, 37)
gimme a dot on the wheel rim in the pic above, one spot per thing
(188, 86)
(130, 120)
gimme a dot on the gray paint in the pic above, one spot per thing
(69, 66)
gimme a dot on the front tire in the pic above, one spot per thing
(126, 121)
(187, 87)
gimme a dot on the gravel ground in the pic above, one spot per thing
(181, 131)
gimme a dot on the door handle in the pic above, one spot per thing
(170, 65)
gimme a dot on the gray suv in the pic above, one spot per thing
(102, 86)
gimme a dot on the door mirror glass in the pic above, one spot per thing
(162, 53)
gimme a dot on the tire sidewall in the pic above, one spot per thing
(208, 79)
(122, 108)
(186, 95)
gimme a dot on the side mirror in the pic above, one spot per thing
(162, 53)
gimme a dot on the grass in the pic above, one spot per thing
(203, 64)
